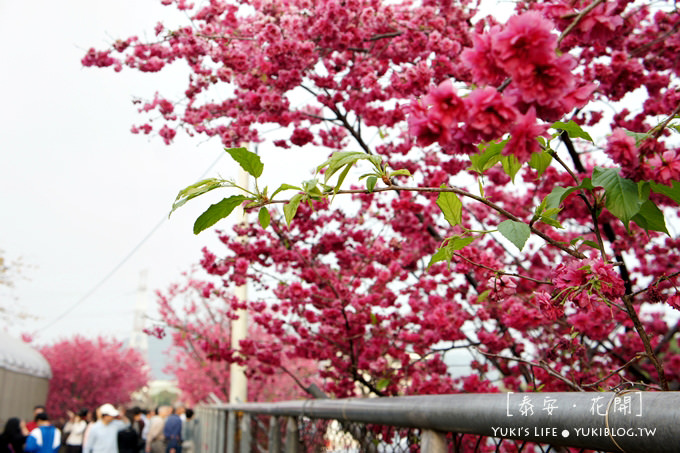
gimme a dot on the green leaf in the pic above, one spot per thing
(450, 245)
(549, 219)
(511, 166)
(374, 319)
(672, 192)
(400, 172)
(538, 210)
(249, 161)
(552, 212)
(622, 195)
(638, 136)
(592, 244)
(483, 296)
(283, 187)
(576, 240)
(674, 127)
(572, 129)
(339, 160)
(326, 188)
(382, 384)
(456, 243)
(488, 158)
(217, 212)
(451, 206)
(644, 189)
(375, 160)
(370, 182)
(442, 254)
(650, 217)
(540, 161)
(341, 178)
(290, 208)
(311, 188)
(555, 198)
(194, 190)
(515, 232)
(264, 217)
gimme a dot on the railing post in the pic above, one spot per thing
(433, 442)
(246, 434)
(221, 421)
(292, 436)
(212, 431)
(231, 432)
(274, 435)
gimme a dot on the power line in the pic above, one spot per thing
(120, 264)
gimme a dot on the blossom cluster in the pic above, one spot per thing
(536, 83)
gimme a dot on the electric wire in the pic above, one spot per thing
(120, 264)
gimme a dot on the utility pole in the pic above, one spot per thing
(138, 339)
(238, 383)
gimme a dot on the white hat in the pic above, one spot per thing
(108, 409)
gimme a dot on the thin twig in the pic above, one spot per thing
(461, 192)
(577, 20)
(658, 129)
(499, 272)
(628, 301)
(542, 366)
(637, 357)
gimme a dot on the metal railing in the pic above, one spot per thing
(629, 421)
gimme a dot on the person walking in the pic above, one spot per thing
(190, 432)
(129, 438)
(172, 431)
(103, 435)
(155, 441)
(74, 431)
(13, 437)
(33, 424)
(146, 419)
(45, 438)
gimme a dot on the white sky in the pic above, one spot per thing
(78, 191)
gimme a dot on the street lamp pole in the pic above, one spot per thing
(238, 383)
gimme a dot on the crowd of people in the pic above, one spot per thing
(106, 430)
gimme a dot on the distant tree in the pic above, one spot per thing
(10, 273)
(88, 373)
(4, 271)
(164, 398)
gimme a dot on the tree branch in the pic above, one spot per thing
(628, 301)
(461, 192)
(541, 365)
(577, 20)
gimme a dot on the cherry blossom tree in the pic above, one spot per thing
(201, 342)
(520, 193)
(87, 373)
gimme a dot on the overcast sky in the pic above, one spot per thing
(78, 191)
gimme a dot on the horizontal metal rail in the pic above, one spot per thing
(630, 421)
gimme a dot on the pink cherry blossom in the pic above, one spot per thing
(523, 136)
(665, 168)
(526, 40)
